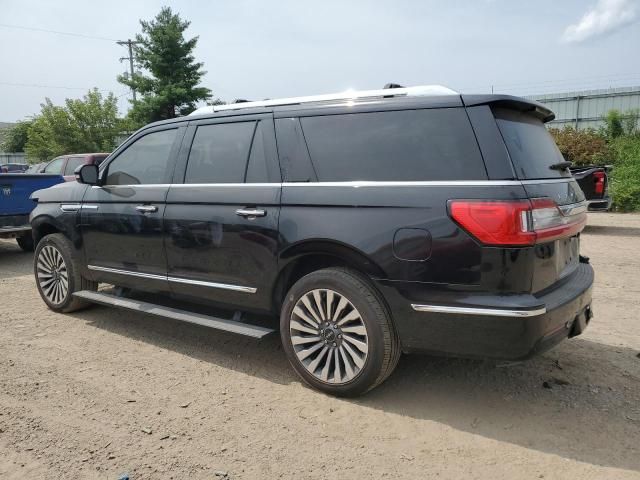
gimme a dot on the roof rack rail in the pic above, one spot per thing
(418, 91)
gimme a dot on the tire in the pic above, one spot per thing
(57, 273)
(360, 334)
(25, 242)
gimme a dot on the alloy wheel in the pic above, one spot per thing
(52, 274)
(329, 336)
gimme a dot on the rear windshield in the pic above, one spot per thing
(407, 145)
(530, 145)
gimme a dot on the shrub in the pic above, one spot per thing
(624, 181)
(582, 147)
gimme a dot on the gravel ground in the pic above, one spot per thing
(100, 393)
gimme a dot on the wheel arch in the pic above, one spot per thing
(305, 257)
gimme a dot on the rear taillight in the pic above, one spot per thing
(598, 182)
(517, 222)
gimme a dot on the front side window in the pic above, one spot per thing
(219, 153)
(407, 145)
(55, 166)
(144, 162)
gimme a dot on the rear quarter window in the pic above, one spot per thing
(407, 145)
(530, 145)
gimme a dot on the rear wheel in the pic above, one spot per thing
(56, 269)
(25, 242)
(337, 333)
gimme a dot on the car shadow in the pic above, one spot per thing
(12, 260)
(558, 403)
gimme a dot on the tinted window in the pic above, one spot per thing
(409, 145)
(294, 157)
(72, 164)
(145, 161)
(219, 153)
(55, 166)
(530, 145)
(257, 169)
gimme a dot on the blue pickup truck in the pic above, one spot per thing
(15, 204)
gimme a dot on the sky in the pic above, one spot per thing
(256, 49)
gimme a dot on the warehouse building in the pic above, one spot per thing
(586, 109)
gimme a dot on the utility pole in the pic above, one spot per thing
(129, 43)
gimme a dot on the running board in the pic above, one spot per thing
(232, 326)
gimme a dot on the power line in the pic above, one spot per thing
(58, 32)
(38, 85)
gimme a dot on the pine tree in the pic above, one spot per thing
(171, 89)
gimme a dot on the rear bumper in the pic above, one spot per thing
(510, 327)
(599, 205)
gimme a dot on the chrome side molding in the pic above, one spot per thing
(495, 312)
(152, 276)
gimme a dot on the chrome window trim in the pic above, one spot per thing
(151, 276)
(496, 312)
(356, 184)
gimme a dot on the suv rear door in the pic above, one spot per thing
(221, 220)
(121, 220)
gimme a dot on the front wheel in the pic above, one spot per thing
(56, 269)
(337, 332)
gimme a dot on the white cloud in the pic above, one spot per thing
(606, 16)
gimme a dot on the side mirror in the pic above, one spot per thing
(87, 174)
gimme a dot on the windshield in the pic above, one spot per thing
(531, 147)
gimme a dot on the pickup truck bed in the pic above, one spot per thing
(594, 182)
(15, 204)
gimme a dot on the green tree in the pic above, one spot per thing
(90, 124)
(15, 138)
(613, 124)
(171, 88)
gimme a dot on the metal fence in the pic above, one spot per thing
(13, 157)
(586, 109)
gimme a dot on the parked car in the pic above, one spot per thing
(594, 182)
(65, 165)
(15, 205)
(36, 168)
(372, 223)
(13, 168)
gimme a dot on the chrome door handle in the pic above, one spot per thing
(147, 208)
(250, 212)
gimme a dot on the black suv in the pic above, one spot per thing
(372, 223)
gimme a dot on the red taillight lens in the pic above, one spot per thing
(598, 182)
(494, 222)
(515, 223)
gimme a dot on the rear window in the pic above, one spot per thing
(408, 145)
(530, 145)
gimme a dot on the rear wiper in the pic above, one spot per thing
(561, 165)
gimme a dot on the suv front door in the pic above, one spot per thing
(121, 219)
(221, 219)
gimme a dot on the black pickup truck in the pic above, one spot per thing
(594, 182)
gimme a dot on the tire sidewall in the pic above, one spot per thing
(61, 244)
(370, 315)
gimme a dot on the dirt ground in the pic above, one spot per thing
(101, 393)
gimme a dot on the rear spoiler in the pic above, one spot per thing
(508, 101)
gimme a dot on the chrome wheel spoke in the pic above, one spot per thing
(329, 336)
(298, 311)
(310, 309)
